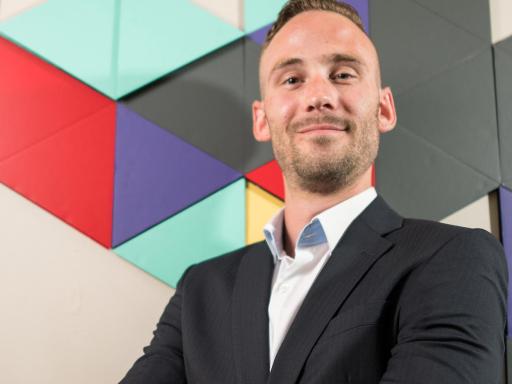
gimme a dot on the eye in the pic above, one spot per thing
(342, 76)
(291, 80)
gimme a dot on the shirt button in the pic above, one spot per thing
(284, 288)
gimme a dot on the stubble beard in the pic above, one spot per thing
(330, 170)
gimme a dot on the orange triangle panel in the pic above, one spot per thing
(268, 177)
(71, 174)
(37, 99)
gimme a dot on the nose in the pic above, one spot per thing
(321, 95)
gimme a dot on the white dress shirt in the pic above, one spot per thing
(293, 276)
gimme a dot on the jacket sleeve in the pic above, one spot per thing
(162, 361)
(452, 316)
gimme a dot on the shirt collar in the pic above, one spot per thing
(328, 225)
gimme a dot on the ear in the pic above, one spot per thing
(260, 128)
(387, 112)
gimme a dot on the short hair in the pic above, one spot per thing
(294, 7)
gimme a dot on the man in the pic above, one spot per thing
(343, 290)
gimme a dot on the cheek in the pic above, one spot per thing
(359, 104)
(282, 109)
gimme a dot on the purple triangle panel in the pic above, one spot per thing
(506, 236)
(361, 6)
(259, 35)
(157, 175)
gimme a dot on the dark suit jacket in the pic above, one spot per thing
(400, 301)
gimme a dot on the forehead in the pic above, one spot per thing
(313, 34)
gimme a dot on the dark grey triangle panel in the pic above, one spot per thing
(471, 15)
(205, 104)
(456, 111)
(419, 180)
(503, 63)
(251, 65)
(415, 44)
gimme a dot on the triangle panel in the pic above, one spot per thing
(261, 206)
(214, 226)
(205, 104)
(503, 68)
(269, 177)
(419, 180)
(415, 44)
(37, 99)
(77, 36)
(506, 236)
(456, 112)
(70, 174)
(179, 31)
(470, 15)
(158, 175)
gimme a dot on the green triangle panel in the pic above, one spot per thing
(419, 180)
(117, 47)
(159, 38)
(214, 226)
(77, 36)
(258, 13)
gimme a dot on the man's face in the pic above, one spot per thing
(322, 103)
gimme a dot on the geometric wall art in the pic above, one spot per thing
(174, 116)
(131, 121)
(171, 120)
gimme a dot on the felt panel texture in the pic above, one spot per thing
(204, 104)
(37, 99)
(71, 174)
(213, 226)
(269, 177)
(261, 206)
(158, 175)
(114, 56)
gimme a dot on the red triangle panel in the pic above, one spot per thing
(71, 174)
(268, 177)
(37, 99)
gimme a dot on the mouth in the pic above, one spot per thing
(322, 129)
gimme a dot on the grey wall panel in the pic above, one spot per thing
(419, 180)
(456, 111)
(415, 43)
(205, 104)
(471, 15)
(251, 65)
(503, 63)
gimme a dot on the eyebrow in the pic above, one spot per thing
(337, 58)
(286, 63)
(334, 58)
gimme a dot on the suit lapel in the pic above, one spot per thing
(360, 247)
(250, 317)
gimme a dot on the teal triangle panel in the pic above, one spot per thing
(117, 47)
(258, 13)
(214, 226)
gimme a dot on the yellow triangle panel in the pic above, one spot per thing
(261, 206)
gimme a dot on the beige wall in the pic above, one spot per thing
(9, 8)
(501, 14)
(72, 312)
(231, 11)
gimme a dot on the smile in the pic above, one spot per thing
(322, 129)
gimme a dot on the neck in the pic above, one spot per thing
(301, 206)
